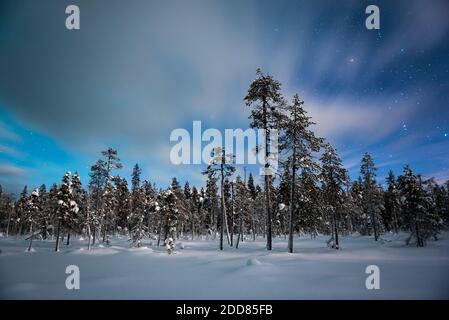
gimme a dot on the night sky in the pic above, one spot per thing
(136, 70)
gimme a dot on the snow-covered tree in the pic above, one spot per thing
(392, 203)
(221, 166)
(241, 205)
(112, 163)
(21, 209)
(137, 223)
(123, 204)
(372, 198)
(6, 211)
(299, 142)
(265, 97)
(67, 206)
(96, 185)
(211, 206)
(334, 179)
(171, 219)
(35, 207)
(418, 214)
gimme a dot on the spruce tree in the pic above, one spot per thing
(334, 178)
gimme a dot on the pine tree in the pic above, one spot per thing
(66, 206)
(123, 204)
(418, 217)
(334, 178)
(151, 206)
(73, 220)
(372, 203)
(265, 98)
(434, 205)
(221, 165)
(137, 215)
(112, 163)
(135, 180)
(241, 205)
(310, 201)
(211, 206)
(6, 210)
(35, 207)
(97, 182)
(299, 142)
(46, 212)
(49, 216)
(22, 209)
(228, 206)
(392, 203)
(137, 218)
(171, 217)
(182, 207)
(252, 193)
(110, 204)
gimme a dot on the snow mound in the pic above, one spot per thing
(32, 250)
(253, 262)
(181, 245)
(95, 251)
(141, 249)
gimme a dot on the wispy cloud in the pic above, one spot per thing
(11, 170)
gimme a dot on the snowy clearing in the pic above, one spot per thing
(201, 271)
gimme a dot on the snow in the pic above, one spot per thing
(253, 262)
(201, 271)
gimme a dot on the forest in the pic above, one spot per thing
(311, 195)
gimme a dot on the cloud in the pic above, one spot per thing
(8, 134)
(9, 151)
(135, 72)
(11, 170)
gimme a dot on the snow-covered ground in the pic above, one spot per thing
(201, 271)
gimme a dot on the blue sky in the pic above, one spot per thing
(136, 70)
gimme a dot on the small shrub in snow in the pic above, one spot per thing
(170, 245)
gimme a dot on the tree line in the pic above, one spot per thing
(311, 195)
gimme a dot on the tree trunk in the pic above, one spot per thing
(193, 224)
(292, 197)
(232, 216)
(7, 226)
(57, 236)
(95, 235)
(160, 229)
(68, 239)
(337, 245)
(222, 215)
(31, 238)
(88, 235)
(373, 217)
(223, 205)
